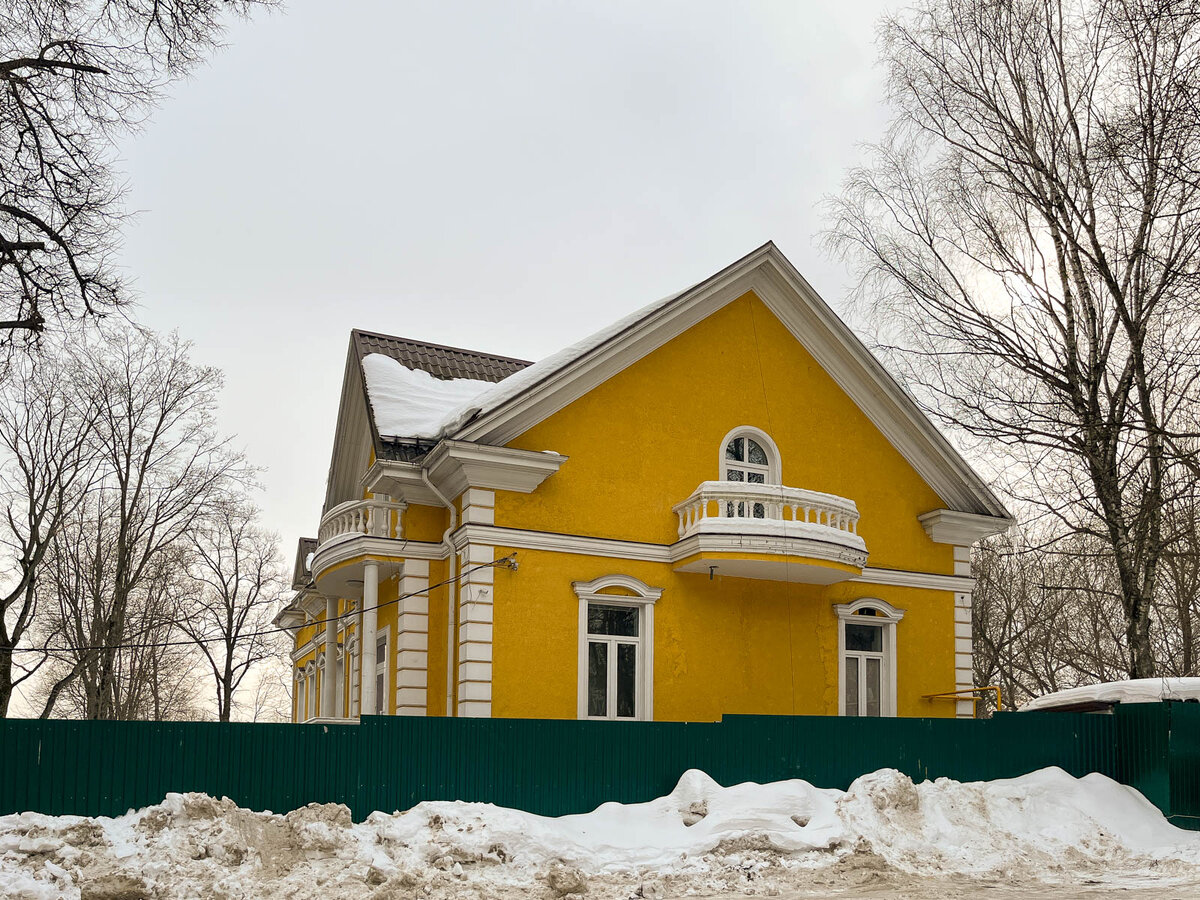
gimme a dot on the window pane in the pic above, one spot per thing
(626, 681)
(864, 638)
(734, 475)
(597, 679)
(852, 685)
(756, 455)
(380, 700)
(618, 620)
(735, 450)
(756, 478)
(381, 649)
(873, 686)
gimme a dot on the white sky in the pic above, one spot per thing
(500, 176)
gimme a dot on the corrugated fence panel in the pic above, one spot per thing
(1184, 761)
(561, 766)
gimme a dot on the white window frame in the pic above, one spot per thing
(643, 598)
(381, 698)
(322, 674)
(301, 697)
(887, 617)
(355, 687)
(310, 679)
(774, 473)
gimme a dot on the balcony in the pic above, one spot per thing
(770, 532)
(349, 531)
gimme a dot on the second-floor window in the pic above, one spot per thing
(749, 456)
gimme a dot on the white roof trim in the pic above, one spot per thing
(811, 321)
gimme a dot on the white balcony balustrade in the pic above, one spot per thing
(375, 518)
(754, 505)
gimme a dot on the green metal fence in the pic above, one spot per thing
(556, 767)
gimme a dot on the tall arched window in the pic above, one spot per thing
(867, 657)
(749, 455)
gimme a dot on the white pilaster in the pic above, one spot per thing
(475, 613)
(366, 676)
(412, 640)
(329, 682)
(964, 674)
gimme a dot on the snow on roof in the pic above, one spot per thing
(1135, 690)
(410, 403)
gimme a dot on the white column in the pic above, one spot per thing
(366, 676)
(330, 681)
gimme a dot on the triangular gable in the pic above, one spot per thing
(541, 390)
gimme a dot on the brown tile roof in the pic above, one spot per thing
(436, 359)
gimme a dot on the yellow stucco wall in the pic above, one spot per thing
(642, 441)
(639, 444)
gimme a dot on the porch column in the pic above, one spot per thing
(330, 682)
(366, 675)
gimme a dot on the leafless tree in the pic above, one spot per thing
(163, 468)
(237, 579)
(45, 433)
(73, 77)
(1029, 232)
(153, 673)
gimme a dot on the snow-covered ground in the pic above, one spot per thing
(885, 836)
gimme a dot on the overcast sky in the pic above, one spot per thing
(499, 176)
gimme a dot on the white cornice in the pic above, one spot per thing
(559, 543)
(633, 550)
(928, 580)
(948, 526)
(455, 466)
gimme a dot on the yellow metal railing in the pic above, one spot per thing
(954, 695)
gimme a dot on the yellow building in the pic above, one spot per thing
(721, 504)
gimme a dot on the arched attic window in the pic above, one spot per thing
(748, 455)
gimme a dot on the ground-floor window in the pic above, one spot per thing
(381, 664)
(867, 657)
(616, 648)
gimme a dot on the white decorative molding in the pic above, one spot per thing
(643, 597)
(926, 580)
(455, 466)
(590, 590)
(948, 526)
(887, 618)
(560, 543)
(774, 459)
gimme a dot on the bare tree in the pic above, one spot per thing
(45, 433)
(73, 76)
(1030, 229)
(163, 468)
(237, 581)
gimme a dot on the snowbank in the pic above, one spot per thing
(1135, 690)
(702, 837)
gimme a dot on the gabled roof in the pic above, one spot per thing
(438, 360)
(536, 391)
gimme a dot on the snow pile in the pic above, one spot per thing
(411, 402)
(701, 838)
(1134, 690)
